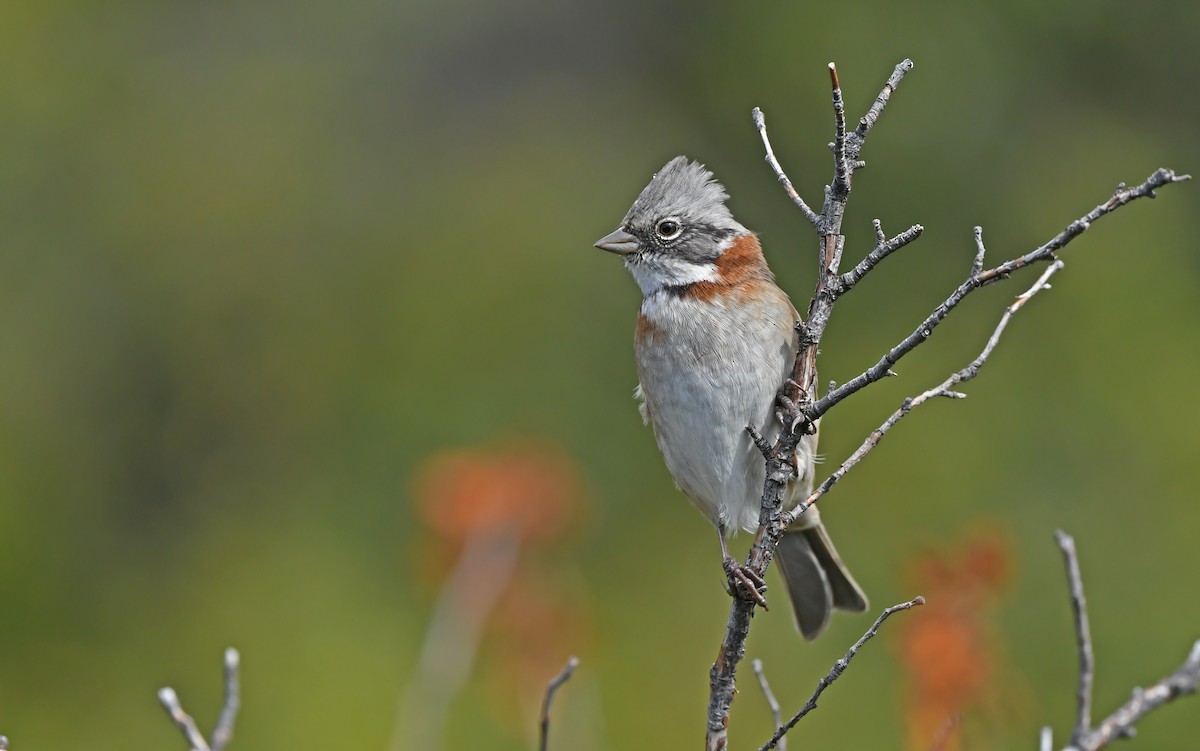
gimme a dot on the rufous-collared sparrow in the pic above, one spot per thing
(715, 342)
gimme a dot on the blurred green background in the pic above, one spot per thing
(261, 260)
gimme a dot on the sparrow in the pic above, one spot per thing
(715, 342)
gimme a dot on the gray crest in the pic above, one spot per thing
(683, 189)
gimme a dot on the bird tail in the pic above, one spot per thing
(816, 579)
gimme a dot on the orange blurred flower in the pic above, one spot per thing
(949, 650)
(535, 493)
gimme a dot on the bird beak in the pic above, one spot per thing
(618, 241)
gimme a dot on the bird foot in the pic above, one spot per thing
(743, 582)
(789, 412)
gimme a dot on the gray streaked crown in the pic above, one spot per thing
(686, 190)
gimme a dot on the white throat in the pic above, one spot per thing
(665, 271)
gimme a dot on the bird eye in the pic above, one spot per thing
(668, 229)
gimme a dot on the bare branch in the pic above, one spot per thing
(760, 123)
(1120, 724)
(1045, 252)
(223, 732)
(551, 688)
(182, 720)
(944, 389)
(838, 668)
(776, 712)
(1087, 659)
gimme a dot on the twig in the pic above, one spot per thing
(182, 720)
(883, 248)
(551, 688)
(223, 732)
(944, 389)
(1083, 635)
(776, 712)
(868, 120)
(980, 252)
(838, 668)
(760, 123)
(1120, 724)
(841, 170)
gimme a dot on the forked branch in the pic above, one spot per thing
(223, 732)
(943, 389)
(1120, 724)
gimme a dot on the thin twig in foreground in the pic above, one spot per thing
(838, 668)
(944, 389)
(1083, 636)
(776, 712)
(552, 688)
(170, 701)
(223, 732)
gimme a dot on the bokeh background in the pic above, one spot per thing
(298, 301)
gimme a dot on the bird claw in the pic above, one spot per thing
(790, 414)
(744, 583)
